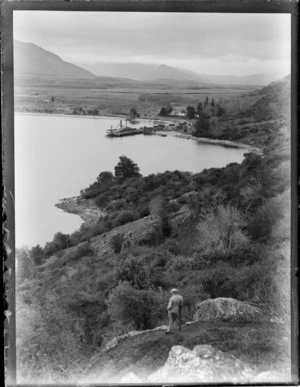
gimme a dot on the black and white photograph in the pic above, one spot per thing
(152, 197)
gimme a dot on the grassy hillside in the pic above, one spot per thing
(220, 233)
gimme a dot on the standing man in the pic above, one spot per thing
(174, 310)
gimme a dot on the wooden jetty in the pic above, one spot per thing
(122, 130)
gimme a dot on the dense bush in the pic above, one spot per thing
(234, 244)
(172, 246)
(124, 217)
(153, 237)
(76, 253)
(116, 242)
(144, 211)
(261, 225)
(134, 271)
(222, 230)
(179, 263)
(48, 343)
(193, 294)
(102, 200)
(116, 205)
(140, 307)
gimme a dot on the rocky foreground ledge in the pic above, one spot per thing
(204, 363)
(85, 208)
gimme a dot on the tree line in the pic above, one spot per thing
(208, 108)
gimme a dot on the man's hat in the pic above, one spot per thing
(174, 291)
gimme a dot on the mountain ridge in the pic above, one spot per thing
(31, 59)
(149, 72)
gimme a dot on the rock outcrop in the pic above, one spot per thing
(116, 340)
(203, 364)
(85, 208)
(227, 309)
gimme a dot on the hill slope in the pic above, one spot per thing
(144, 354)
(274, 101)
(114, 277)
(30, 59)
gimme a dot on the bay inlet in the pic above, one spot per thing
(57, 156)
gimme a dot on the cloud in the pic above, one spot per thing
(157, 37)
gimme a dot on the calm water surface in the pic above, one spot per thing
(57, 156)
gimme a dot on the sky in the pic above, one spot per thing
(207, 43)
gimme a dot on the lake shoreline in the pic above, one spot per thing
(225, 143)
(86, 209)
(103, 116)
(211, 141)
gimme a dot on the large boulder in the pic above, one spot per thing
(203, 364)
(227, 309)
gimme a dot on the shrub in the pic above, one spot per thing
(173, 207)
(222, 230)
(102, 200)
(237, 257)
(116, 242)
(160, 259)
(47, 340)
(166, 226)
(116, 205)
(193, 294)
(144, 211)
(153, 237)
(124, 217)
(132, 195)
(142, 308)
(179, 263)
(268, 216)
(82, 250)
(243, 256)
(134, 271)
(172, 246)
(214, 281)
(98, 229)
(257, 283)
(37, 255)
(88, 323)
(105, 178)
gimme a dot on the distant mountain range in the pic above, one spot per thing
(30, 59)
(144, 72)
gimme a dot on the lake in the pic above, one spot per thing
(57, 156)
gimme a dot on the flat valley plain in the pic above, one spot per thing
(116, 96)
